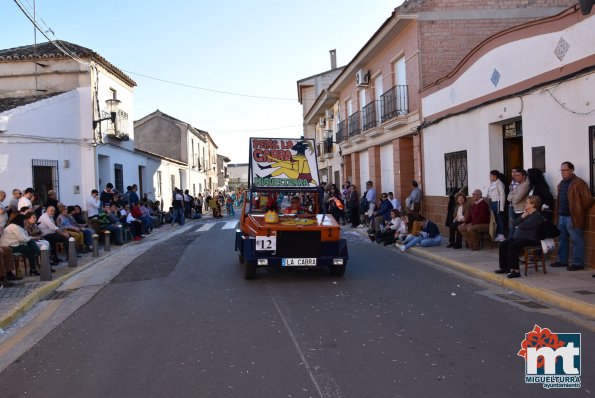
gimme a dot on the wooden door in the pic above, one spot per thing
(513, 155)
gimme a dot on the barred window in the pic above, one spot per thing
(119, 177)
(455, 166)
(159, 184)
(45, 178)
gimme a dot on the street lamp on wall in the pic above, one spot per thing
(112, 106)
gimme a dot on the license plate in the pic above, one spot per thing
(298, 262)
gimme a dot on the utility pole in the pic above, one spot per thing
(35, 47)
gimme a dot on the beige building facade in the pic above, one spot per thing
(369, 117)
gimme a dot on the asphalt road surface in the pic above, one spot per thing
(181, 321)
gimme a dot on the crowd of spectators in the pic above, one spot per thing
(27, 225)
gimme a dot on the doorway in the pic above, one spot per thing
(513, 148)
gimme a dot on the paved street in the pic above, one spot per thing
(181, 321)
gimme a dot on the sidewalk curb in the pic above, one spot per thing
(546, 296)
(42, 292)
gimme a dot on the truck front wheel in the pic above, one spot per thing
(338, 270)
(249, 270)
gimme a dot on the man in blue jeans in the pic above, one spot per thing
(572, 206)
(427, 237)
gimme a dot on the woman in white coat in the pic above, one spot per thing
(497, 196)
(16, 237)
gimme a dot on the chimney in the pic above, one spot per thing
(333, 59)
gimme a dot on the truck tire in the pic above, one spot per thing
(337, 270)
(249, 270)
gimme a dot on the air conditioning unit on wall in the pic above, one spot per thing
(362, 78)
(329, 114)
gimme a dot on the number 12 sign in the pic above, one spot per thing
(266, 243)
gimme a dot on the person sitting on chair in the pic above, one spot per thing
(526, 233)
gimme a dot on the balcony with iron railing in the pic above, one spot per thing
(340, 136)
(353, 126)
(394, 102)
(369, 120)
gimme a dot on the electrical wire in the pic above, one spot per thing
(36, 139)
(563, 105)
(256, 130)
(208, 89)
(56, 43)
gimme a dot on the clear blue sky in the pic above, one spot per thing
(259, 48)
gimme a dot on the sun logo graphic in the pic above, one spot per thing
(552, 359)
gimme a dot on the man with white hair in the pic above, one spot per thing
(479, 220)
(51, 232)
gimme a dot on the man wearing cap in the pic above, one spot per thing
(572, 206)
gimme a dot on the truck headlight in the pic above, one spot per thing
(337, 261)
(262, 261)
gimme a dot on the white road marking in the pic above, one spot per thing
(206, 227)
(230, 225)
(296, 344)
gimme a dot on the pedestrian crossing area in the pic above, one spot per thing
(218, 225)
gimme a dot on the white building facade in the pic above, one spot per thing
(535, 112)
(53, 137)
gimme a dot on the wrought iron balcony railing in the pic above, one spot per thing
(369, 120)
(340, 136)
(353, 126)
(394, 102)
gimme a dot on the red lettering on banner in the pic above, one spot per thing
(286, 144)
(262, 156)
(259, 156)
(265, 144)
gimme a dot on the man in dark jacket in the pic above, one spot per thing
(108, 222)
(382, 215)
(353, 203)
(572, 207)
(107, 195)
